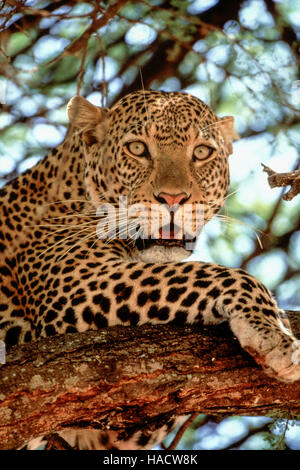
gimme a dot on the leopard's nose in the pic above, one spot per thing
(172, 199)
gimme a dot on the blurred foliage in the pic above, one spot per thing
(240, 57)
(240, 433)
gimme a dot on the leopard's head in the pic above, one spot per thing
(162, 157)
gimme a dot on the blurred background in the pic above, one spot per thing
(241, 58)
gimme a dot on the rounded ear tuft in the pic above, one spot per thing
(86, 117)
(228, 131)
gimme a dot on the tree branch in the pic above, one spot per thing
(291, 178)
(130, 378)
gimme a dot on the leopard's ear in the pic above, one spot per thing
(228, 132)
(87, 119)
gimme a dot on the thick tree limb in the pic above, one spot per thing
(291, 178)
(124, 377)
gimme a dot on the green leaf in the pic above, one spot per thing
(67, 68)
(17, 43)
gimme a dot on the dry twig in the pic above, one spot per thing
(181, 431)
(292, 178)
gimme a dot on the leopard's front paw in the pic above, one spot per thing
(273, 347)
(282, 364)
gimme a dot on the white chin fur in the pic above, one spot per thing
(162, 254)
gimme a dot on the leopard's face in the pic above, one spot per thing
(165, 155)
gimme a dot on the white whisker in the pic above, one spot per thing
(61, 241)
(90, 235)
(216, 124)
(231, 220)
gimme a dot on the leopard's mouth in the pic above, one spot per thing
(168, 236)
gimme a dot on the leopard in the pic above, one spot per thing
(92, 236)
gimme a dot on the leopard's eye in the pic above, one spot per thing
(202, 152)
(137, 148)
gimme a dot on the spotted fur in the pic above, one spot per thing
(57, 276)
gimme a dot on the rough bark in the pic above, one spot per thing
(132, 377)
(291, 178)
